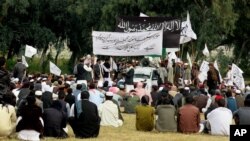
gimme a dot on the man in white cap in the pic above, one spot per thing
(38, 95)
(109, 113)
(178, 72)
(186, 74)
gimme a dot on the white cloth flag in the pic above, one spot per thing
(206, 51)
(113, 64)
(30, 51)
(54, 69)
(24, 61)
(187, 33)
(238, 78)
(143, 15)
(189, 60)
(127, 44)
(217, 68)
(172, 56)
(203, 71)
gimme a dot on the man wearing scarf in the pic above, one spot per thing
(85, 122)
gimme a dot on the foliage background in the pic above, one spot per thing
(45, 23)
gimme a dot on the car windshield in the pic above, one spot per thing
(143, 76)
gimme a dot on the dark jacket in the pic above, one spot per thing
(70, 99)
(24, 92)
(82, 74)
(129, 77)
(54, 122)
(97, 71)
(30, 119)
(106, 74)
(19, 70)
(47, 99)
(212, 82)
(88, 123)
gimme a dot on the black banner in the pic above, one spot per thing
(171, 27)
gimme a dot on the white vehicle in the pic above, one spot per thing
(147, 75)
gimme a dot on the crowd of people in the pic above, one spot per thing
(41, 105)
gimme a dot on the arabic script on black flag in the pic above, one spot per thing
(171, 27)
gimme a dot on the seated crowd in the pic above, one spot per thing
(41, 106)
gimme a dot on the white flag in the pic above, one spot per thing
(30, 51)
(113, 64)
(206, 51)
(54, 69)
(143, 15)
(187, 33)
(204, 68)
(24, 61)
(172, 56)
(238, 78)
(217, 68)
(189, 60)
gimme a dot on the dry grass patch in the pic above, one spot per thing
(128, 132)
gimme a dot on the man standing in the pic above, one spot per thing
(106, 70)
(186, 74)
(84, 71)
(98, 70)
(178, 72)
(213, 78)
(19, 70)
(129, 82)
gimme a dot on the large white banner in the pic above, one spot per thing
(127, 44)
(238, 78)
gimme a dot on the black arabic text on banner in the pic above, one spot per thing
(171, 27)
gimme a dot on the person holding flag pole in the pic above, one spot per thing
(129, 76)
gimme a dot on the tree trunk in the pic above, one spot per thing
(241, 51)
(58, 51)
(42, 59)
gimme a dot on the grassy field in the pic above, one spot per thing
(128, 132)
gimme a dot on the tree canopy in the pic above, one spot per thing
(43, 22)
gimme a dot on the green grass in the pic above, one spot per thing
(128, 132)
